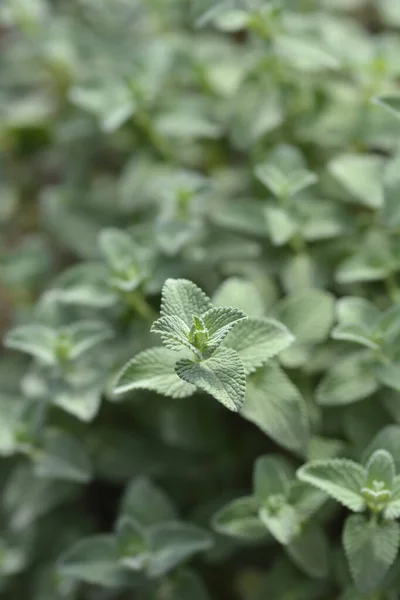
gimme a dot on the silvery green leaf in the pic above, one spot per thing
(183, 298)
(281, 225)
(340, 478)
(353, 310)
(219, 321)
(174, 332)
(390, 102)
(354, 333)
(154, 370)
(239, 518)
(37, 340)
(146, 503)
(387, 439)
(276, 406)
(256, 340)
(361, 176)
(84, 284)
(306, 55)
(62, 457)
(93, 560)
(283, 522)
(84, 335)
(350, 380)
(387, 373)
(112, 105)
(380, 469)
(222, 376)
(240, 293)
(174, 542)
(310, 552)
(371, 549)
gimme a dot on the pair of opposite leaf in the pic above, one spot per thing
(217, 348)
(371, 538)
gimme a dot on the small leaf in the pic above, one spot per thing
(256, 340)
(132, 544)
(379, 480)
(387, 439)
(371, 549)
(390, 102)
(173, 543)
(271, 475)
(281, 520)
(37, 340)
(219, 322)
(62, 457)
(240, 519)
(84, 335)
(350, 380)
(340, 478)
(356, 334)
(146, 504)
(361, 176)
(310, 552)
(276, 406)
(183, 298)
(222, 376)
(174, 333)
(154, 370)
(281, 225)
(93, 560)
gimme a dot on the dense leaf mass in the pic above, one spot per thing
(199, 299)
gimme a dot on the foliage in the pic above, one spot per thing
(199, 299)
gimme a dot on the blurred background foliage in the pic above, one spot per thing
(232, 142)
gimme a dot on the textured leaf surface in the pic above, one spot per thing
(154, 370)
(341, 479)
(219, 321)
(174, 332)
(276, 406)
(371, 549)
(283, 524)
(222, 376)
(256, 340)
(184, 299)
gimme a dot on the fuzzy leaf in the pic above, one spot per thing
(146, 504)
(340, 478)
(183, 298)
(62, 457)
(240, 519)
(222, 376)
(271, 475)
(371, 549)
(242, 294)
(354, 333)
(174, 332)
(361, 177)
(219, 322)
(133, 548)
(282, 523)
(276, 406)
(37, 340)
(154, 370)
(84, 335)
(256, 340)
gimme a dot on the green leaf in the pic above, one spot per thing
(183, 298)
(388, 374)
(392, 509)
(37, 340)
(62, 457)
(133, 548)
(387, 439)
(280, 519)
(174, 333)
(371, 549)
(354, 310)
(240, 519)
(276, 406)
(84, 335)
(184, 585)
(361, 176)
(281, 225)
(93, 560)
(350, 380)
(256, 340)
(354, 333)
(310, 552)
(219, 322)
(391, 189)
(379, 480)
(241, 294)
(222, 376)
(271, 475)
(340, 478)
(146, 504)
(390, 102)
(173, 543)
(154, 370)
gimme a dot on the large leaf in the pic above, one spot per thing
(340, 478)
(183, 298)
(371, 549)
(222, 376)
(174, 332)
(276, 406)
(220, 321)
(256, 340)
(154, 370)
